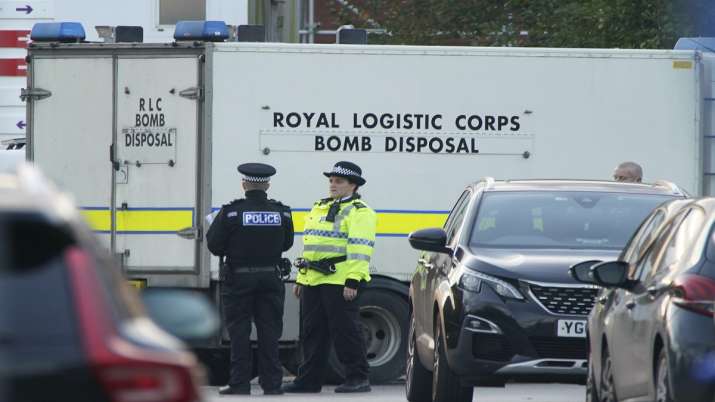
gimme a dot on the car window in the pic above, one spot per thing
(679, 245)
(123, 300)
(454, 221)
(642, 237)
(560, 219)
(38, 324)
(648, 260)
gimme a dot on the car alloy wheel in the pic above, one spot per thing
(607, 392)
(591, 390)
(417, 378)
(662, 380)
(446, 385)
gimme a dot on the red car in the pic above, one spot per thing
(71, 329)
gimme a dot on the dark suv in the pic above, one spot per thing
(492, 297)
(651, 332)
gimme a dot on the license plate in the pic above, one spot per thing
(571, 328)
(139, 284)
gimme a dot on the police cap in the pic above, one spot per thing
(256, 172)
(348, 170)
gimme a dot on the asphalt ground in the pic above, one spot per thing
(513, 392)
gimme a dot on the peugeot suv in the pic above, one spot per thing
(492, 297)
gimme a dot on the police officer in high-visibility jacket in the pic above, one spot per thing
(251, 233)
(339, 238)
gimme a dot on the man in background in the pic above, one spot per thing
(628, 172)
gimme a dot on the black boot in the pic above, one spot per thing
(235, 390)
(354, 386)
(294, 388)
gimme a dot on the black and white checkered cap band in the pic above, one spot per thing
(257, 179)
(342, 170)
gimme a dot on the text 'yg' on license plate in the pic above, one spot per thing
(571, 328)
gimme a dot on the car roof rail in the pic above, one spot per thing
(488, 181)
(671, 186)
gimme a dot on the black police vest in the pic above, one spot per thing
(260, 230)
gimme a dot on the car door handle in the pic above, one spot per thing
(653, 291)
(630, 305)
(426, 263)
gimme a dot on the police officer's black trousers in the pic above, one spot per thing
(326, 317)
(256, 296)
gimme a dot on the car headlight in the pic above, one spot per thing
(472, 281)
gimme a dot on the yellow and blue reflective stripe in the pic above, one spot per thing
(140, 220)
(390, 223)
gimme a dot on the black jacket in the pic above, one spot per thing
(251, 231)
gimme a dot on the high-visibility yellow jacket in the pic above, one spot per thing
(352, 234)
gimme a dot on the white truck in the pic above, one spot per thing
(147, 138)
(156, 17)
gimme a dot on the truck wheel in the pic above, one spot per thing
(418, 380)
(446, 386)
(383, 319)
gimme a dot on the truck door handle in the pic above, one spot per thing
(115, 164)
(190, 233)
(630, 305)
(426, 263)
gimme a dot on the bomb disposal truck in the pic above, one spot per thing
(147, 138)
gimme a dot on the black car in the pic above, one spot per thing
(651, 332)
(491, 296)
(71, 329)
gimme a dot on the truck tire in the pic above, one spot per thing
(384, 322)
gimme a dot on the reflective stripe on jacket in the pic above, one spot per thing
(352, 234)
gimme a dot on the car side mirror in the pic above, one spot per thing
(432, 239)
(581, 272)
(611, 274)
(186, 315)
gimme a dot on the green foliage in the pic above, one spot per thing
(552, 23)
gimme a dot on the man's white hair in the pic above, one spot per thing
(632, 167)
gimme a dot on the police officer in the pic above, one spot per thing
(251, 233)
(339, 238)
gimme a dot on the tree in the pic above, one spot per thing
(552, 23)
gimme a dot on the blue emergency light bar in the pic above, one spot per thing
(702, 44)
(209, 31)
(57, 32)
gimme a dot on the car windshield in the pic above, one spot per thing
(560, 219)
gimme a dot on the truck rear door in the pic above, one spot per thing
(156, 163)
(70, 130)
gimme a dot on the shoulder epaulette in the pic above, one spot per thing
(235, 202)
(271, 200)
(359, 204)
(324, 201)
